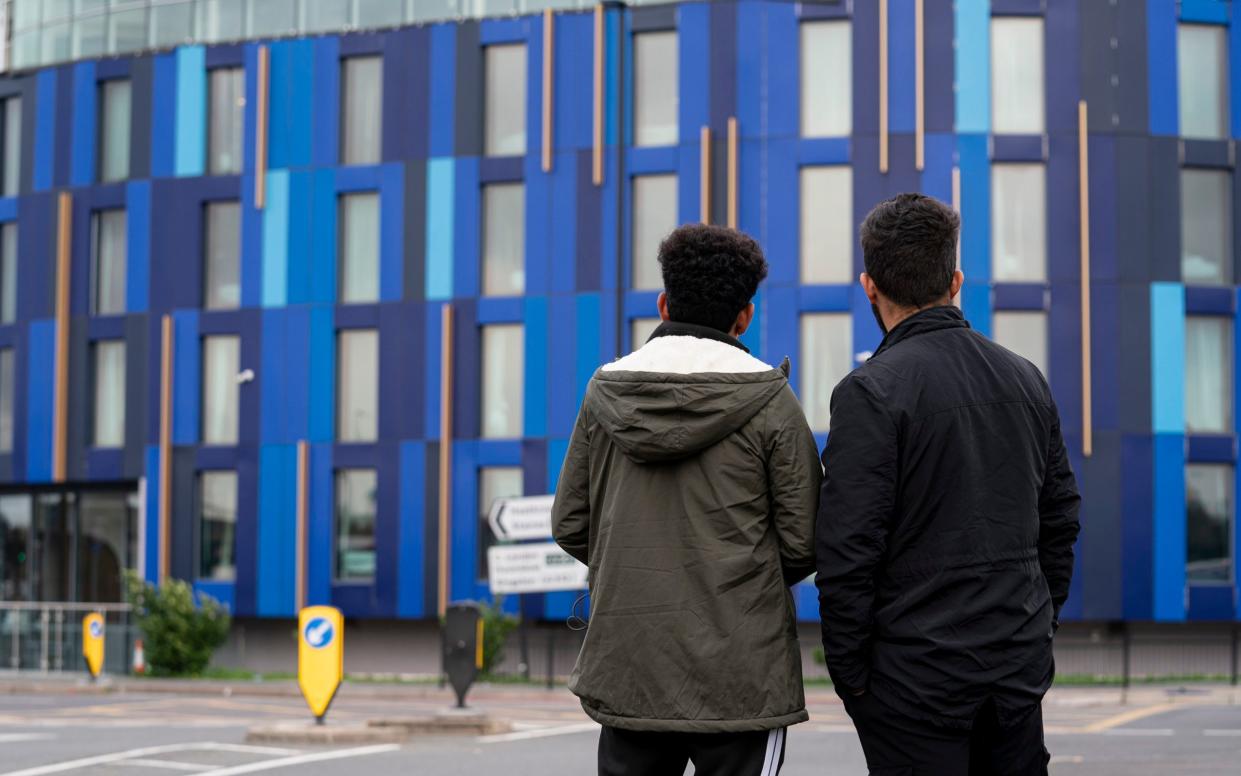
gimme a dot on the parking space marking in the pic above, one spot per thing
(169, 765)
(284, 762)
(146, 753)
(1229, 732)
(1133, 715)
(17, 738)
(547, 732)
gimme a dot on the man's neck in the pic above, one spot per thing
(896, 316)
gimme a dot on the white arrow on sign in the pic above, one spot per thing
(533, 568)
(519, 519)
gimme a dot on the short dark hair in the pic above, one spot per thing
(710, 274)
(909, 244)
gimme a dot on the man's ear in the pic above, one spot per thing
(662, 304)
(958, 280)
(868, 285)
(744, 319)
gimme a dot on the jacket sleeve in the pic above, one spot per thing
(794, 474)
(571, 508)
(855, 509)
(1058, 506)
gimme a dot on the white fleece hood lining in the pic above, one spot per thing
(686, 356)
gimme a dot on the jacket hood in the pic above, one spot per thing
(678, 395)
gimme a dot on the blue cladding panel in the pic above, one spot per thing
(901, 65)
(536, 336)
(441, 185)
(1162, 86)
(392, 233)
(694, 27)
(41, 378)
(443, 90)
(275, 239)
(322, 378)
(319, 554)
(277, 529)
(150, 558)
(82, 166)
(1169, 527)
(324, 210)
(163, 125)
(1205, 11)
(973, 72)
(138, 236)
(187, 380)
(467, 208)
(412, 571)
(1168, 357)
(326, 147)
(45, 129)
(191, 127)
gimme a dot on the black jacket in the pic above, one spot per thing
(946, 525)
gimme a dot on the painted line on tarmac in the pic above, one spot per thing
(284, 762)
(17, 738)
(527, 735)
(1067, 759)
(145, 752)
(1138, 732)
(1131, 716)
(1229, 732)
(169, 765)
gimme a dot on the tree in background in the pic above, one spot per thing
(179, 635)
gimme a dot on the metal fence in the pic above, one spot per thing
(46, 637)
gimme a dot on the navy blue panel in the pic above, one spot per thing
(401, 372)
(406, 73)
(355, 456)
(723, 58)
(141, 84)
(184, 507)
(1210, 301)
(29, 114)
(226, 55)
(825, 9)
(248, 325)
(247, 532)
(502, 169)
(1165, 210)
(64, 126)
(36, 241)
(112, 68)
(1133, 241)
(1132, 62)
(20, 402)
(135, 395)
(1019, 296)
(1017, 7)
(1207, 153)
(469, 94)
(1211, 449)
(589, 231)
(214, 457)
(224, 321)
(359, 44)
(1017, 148)
(1099, 478)
(81, 408)
(865, 73)
(1213, 603)
(103, 465)
(415, 246)
(387, 530)
(11, 86)
(105, 327)
(1136, 499)
(653, 19)
(1098, 63)
(430, 527)
(467, 371)
(357, 316)
(940, 60)
(1134, 347)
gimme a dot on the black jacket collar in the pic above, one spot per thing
(931, 319)
(676, 329)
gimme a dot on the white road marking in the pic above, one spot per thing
(1061, 759)
(16, 738)
(284, 762)
(146, 752)
(547, 732)
(1138, 732)
(171, 765)
(1229, 732)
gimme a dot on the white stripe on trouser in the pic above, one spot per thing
(771, 758)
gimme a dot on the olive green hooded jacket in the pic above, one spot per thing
(690, 490)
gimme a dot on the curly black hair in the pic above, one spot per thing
(909, 244)
(710, 274)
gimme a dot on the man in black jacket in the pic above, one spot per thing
(946, 524)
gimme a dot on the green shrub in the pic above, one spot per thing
(178, 634)
(497, 626)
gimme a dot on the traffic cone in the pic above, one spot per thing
(140, 666)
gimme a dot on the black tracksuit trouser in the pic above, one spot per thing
(643, 753)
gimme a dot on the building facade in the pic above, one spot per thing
(283, 316)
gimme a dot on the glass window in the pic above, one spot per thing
(1202, 80)
(222, 20)
(1208, 375)
(127, 30)
(826, 359)
(104, 530)
(654, 217)
(8, 383)
(1024, 333)
(640, 330)
(359, 248)
(378, 13)
(1206, 227)
(1209, 523)
(504, 374)
(217, 525)
(355, 524)
(221, 363)
(504, 239)
(361, 115)
(90, 36)
(114, 130)
(656, 100)
(172, 24)
(325, 15)
(226, 120)
(15, 548)
(494, 483)
(826, 79)
(1018, 223)
(109, 412)
(272, 17)
(504, 108)
(1017, 81)
(827, 225)
(357, 378)
(8, 272)
(222, 251)
(11, 174)
(108, 230)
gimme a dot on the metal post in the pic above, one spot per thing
(16, 658)
(1126, 650)
(60, 639)
(523, 636)
(551, 658)
(1236, 647)
(43, 661)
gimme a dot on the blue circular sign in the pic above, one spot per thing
(319, 633)
(96, 629)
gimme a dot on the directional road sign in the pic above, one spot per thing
(534, 568)
(320, 656)
(92, 643)
(519, 519)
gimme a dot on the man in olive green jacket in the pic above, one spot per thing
(690, 490)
